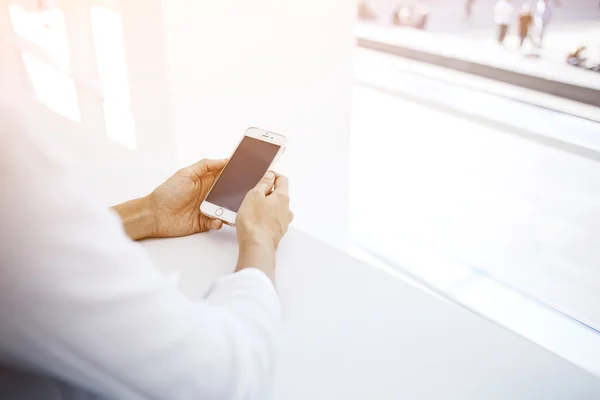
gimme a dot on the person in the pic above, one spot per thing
(525, 21)
(469, 8)
(365, 13)
(576, 57)
(544, 13)
(503, 15)
(85, 314)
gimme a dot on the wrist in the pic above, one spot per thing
(257, 251)
(139, 220)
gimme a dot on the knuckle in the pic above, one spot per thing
(269, 177)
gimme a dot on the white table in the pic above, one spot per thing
(351, 331)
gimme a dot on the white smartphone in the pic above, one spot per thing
(254, 156)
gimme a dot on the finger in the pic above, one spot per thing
(282, 184)
(205, 166)
(265, 185)
(208, 224)
(215, 224)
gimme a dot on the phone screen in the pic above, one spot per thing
(247, 166)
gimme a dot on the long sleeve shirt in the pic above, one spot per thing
(82, 303)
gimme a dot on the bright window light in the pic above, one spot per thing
(53, 88)
(43, 26)
(109, 45)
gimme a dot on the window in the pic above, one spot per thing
(483, 157)
(74, 62)
(109, 44)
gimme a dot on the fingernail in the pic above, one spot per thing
(215, 224)
(270, 175)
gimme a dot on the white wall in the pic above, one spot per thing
(280, 65)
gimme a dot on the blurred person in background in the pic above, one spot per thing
(525, 21)
(410, 15)
(84, 314)
(543, 15)
(469, 8)
(503, 16)
(576, 57)
(365, 13)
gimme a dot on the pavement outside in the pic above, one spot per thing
(450, 17)
(575, 23)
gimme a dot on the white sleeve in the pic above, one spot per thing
(81, 301)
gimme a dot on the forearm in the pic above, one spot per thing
(257, 252)
(138, 218)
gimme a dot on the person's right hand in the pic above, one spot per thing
(262, 220)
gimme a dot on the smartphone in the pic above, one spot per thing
(254, 156)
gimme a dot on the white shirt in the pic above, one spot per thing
(544, 10)
(81, 302)
(503, 12)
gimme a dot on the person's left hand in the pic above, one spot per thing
(175, 204)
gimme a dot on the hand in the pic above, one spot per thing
(173, 208)
(176, 203)
(262, 220)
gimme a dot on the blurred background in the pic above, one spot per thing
(418, 140)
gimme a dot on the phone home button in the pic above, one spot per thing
(219, 212)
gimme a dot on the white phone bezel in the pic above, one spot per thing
(228, 216)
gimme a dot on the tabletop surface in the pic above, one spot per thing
(351, 331)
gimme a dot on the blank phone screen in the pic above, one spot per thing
(247, 166)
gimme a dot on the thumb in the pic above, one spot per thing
(209, 224)
(215, 224)
(265, 185)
